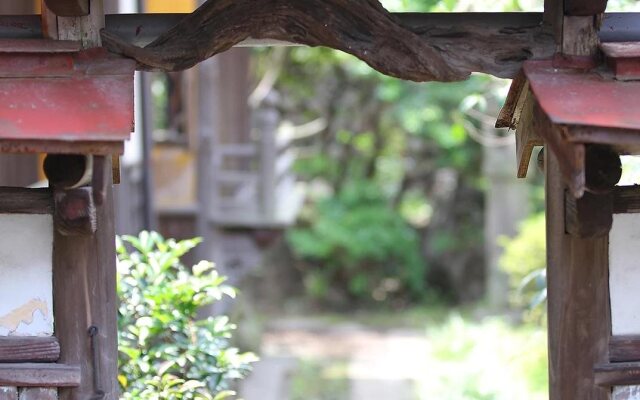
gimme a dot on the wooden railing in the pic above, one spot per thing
(253, 185)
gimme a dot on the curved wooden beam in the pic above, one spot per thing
(362, 28)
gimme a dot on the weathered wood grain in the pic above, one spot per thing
(418, 52)
(39, 375)
(38, 394)
(29, 349)
(25, 201)
(624, 348)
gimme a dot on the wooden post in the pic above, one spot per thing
(84, 270)
(84, 292)
(578, 297)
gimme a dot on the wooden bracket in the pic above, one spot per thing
(526, 136)
(75, 211)
(589, 216)
(517, 114)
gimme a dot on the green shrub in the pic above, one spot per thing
(166, 352)
(524, 259)
(355, 243)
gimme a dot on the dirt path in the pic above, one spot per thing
(310, 360)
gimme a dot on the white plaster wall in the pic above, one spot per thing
(626, 393)
(26, 287)
(624, 274)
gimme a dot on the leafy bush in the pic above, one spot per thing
(166, 352)
(357, 245)
(524, 259)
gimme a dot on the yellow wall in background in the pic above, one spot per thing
(170, 6)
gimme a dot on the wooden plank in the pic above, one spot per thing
(38, 394)
(579, 322)
(626, 199)
(25, 201)
(624, 348)
(8, 393)
(29, 349)
(508, 112)
(84, 296)
(617, 374)
(39, 375)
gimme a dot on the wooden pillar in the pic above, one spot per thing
(84, 295)
(84, 265)
(578, 297)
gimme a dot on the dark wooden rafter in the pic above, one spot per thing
(362, 28)
(68, 8)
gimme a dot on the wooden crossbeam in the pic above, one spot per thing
(28, 349)
(493, 43)
(39, 375)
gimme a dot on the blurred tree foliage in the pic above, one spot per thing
(396, 193)
(525, 261)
